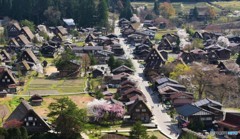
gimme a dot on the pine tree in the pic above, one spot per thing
(156, 8)
(127, 11)
(238, 59)
(103, 13)
(138, 131)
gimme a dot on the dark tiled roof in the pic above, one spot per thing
(206, 101)
(165, 80)
(192, 110)
(120, 68)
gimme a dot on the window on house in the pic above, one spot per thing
(137, 110)
(8, 80)
(5, 77)
(143, 110)
(3, 80)
(30, 118)
(27, 124)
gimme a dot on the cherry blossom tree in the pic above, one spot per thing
(102, 110)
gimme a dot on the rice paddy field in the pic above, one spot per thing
(62, 86)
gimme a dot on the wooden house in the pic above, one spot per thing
(212, 57)
(90, 37)
(14, 29)
(197, 35)
(20, 40)
(7, 80)
(231, 122)
(28, 33)
(36, 100)
(118, 78)
(23, 67)
(122, 69)
(155, 59)
(69, 24)
(127, 95)
(25, 114)
(139, 111)
(211, 105)
(5, 57)
(223, 54)
(61, 30)
(148, 42)
(181, 98)
(190, 113)
(70, 69)
(128, 30)
(29, 57)
(49, 51)
(162, 80)
(98, 72)
(199, 13)
(187, 57)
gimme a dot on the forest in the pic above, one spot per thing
(84, 12)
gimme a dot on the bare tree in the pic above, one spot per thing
(3, 114)
(85, 63)
(223, 88)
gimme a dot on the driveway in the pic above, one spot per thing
(161, 118)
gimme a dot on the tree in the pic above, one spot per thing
(138, 131)
(238, 59)
(85, 63)
(211, 13)
(156, 7)
(74, 118)
(223, 41)
(53, 16)
(29, 24)
(3, 132)
(103, 111)
(24, 132)
(178, 70)
(153, 137)
(167, 10)
(14, 133)
(223, 88)
(65, 57)
(199, 77)
(103, 13)
(197, 44)
(111, 62)
(93, 60)
(126, 11)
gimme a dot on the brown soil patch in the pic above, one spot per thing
(4, 111)
(80, 100)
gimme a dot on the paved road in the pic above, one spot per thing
(161, 118)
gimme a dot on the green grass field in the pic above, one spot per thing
(62, 86)
(231, 5)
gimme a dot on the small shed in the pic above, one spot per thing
(36, 100)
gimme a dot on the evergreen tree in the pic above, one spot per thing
(138, 131)
(103, 13)
(14, 133)
(127, 11)
(238, 59)
(156, 8)
(24, 133)
(111, 62)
